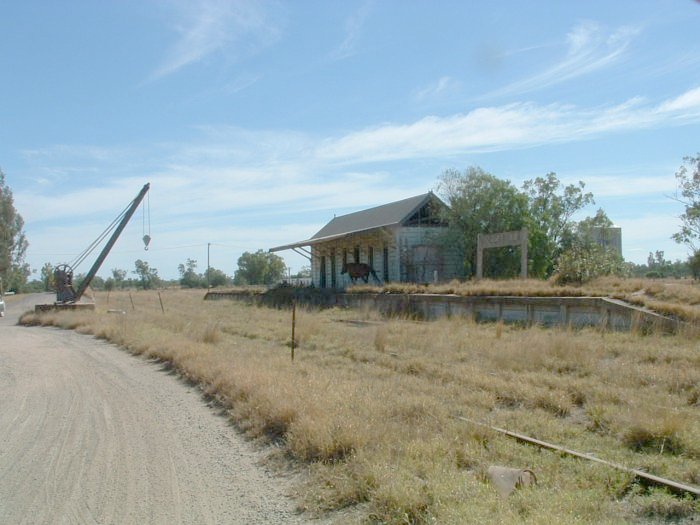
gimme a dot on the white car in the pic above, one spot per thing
(2, 307)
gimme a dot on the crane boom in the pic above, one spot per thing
(66, 293)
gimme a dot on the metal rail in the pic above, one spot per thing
(674, 486)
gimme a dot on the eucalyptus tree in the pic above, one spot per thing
(259, 268)
(477, 203)
(688, 180)
(13, 242)
(550, 219)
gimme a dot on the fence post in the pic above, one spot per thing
(294, 322)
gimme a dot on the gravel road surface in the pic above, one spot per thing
(91, 434)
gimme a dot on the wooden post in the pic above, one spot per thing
(564, 314)
(294, 322)
(497, 240)
(161, 303)
(132, 302)
(523, 253)
(479, 256)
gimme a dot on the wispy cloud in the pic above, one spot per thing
(510, 126)
(687, 102)
(353, 30)
(588, 48)
(269, 167)
(444, 86)
(206, 27)
(225, 175)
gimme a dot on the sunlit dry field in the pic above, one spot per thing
(367, 408)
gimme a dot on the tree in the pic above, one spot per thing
(551, 208)
(694, 264)
(119, 276)
(259, 268)
(481, 203)
(304, 271)
(688, 180)
(47, 276)
(148, 276)
(583, 259)
(583, 232)
(13, 243)
(188, 277)
(216, 278)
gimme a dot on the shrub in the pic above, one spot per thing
(583, 263)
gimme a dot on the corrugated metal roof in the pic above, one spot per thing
(384, 215)
(360, 221)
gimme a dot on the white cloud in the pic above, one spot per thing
(688, 101)
(505, 127)
(443, 86)
(644, 233)
(228, 157)
(353, 30)
(228, 167)
(624, 182)
(228, 179)
(589, 48)
(240, 83)
(209, 26)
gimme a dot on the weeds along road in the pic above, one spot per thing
(91, 434)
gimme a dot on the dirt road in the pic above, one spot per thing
(90, 434)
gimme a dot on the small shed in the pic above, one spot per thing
(400, 241)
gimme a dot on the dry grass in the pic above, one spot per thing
(368, 404)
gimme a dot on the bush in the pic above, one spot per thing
(583, 263)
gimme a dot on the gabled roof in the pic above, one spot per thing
(391, 214)
(384, 215)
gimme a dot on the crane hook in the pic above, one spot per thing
(146, 241)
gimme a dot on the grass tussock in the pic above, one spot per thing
(367, 405)
(661, 506)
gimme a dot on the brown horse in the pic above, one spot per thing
(359, 271)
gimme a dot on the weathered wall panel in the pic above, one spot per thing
(576, 312)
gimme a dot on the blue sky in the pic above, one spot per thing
(255, 122)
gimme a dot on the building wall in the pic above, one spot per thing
(413, 256)
(335, 250)
(608, 237)
(422, 258)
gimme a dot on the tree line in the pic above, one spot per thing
(558, 246)
(478, 202)
(253, 268)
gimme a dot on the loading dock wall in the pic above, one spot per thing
(576, 312)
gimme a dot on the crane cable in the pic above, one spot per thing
(83, 255)
(146, 238)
